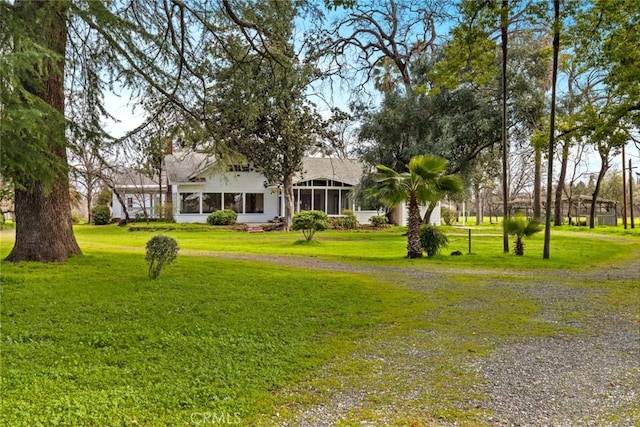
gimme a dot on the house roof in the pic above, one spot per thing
(183, 167)
(348, 171)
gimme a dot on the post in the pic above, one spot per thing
(469, 241)
(633, 225)
(624, 193)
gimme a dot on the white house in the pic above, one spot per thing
(198, 186)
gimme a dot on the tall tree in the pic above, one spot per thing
(260, 102)
(33, 129)
(552, 127)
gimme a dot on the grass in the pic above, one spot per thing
(93, 341)
(568, 250)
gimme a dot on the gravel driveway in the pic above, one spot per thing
(590, 378)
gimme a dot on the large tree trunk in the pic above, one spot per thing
(478, 204)
(557, 210)
(594, 199)
(414, 247)
(504, 29)
(289, 201)
(537, 185)
(427, 215)
(43, 212)
(552, 127)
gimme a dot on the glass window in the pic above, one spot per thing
(319, 183)
(233, 201)
(254, 203)
(129, 202)
(211, 202)
(189, 202)
(333, 202)
(347, 200)
(318, 200)
(304, 204)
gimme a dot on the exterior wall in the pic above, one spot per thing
(136, 204)
(363, 215)
(231, 183)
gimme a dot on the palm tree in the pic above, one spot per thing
(519, 226)
(425, 181)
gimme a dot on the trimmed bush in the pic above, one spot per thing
(222, 217)
(346, 222)
(161, 251)
(101, 215)
(448, 215)
(309, 222)
(379, 221)
(432, 239)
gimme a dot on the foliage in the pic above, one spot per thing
(101, 215)
(309, 222)
(161, 251)
(379, 221)
(425, 181)
(104, 196)
(432, 239)
(447, 215)
(347, 221)
(222, 217)
(520, 227)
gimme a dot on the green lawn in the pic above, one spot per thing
(93, 341)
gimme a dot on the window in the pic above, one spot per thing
(234, 202)
(318, 200)
(129, 202)
(346, 199)
(254, 203)
(211, 202)
(333, 202)
(189, 202)
(304, 202)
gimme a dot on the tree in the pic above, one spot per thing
(423, 182)
(519, 226)
(32, 129)
(260, 106)
(86, 169)
(88, 46)
(552, 126)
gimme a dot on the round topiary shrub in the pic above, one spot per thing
(432, 239)
(161, 250)
(309, 222)
(379, 221)
(101, 215)
(222, 217)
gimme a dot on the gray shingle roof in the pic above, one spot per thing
(182, 167)
(348, 171)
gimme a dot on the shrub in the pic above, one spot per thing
(161, 250)
(222, 217)
(346, 222)
(379, 221)
(432, 239)
(101, 215)
(309, 222)
(519, 226)
(75, 218)
(448, 215)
